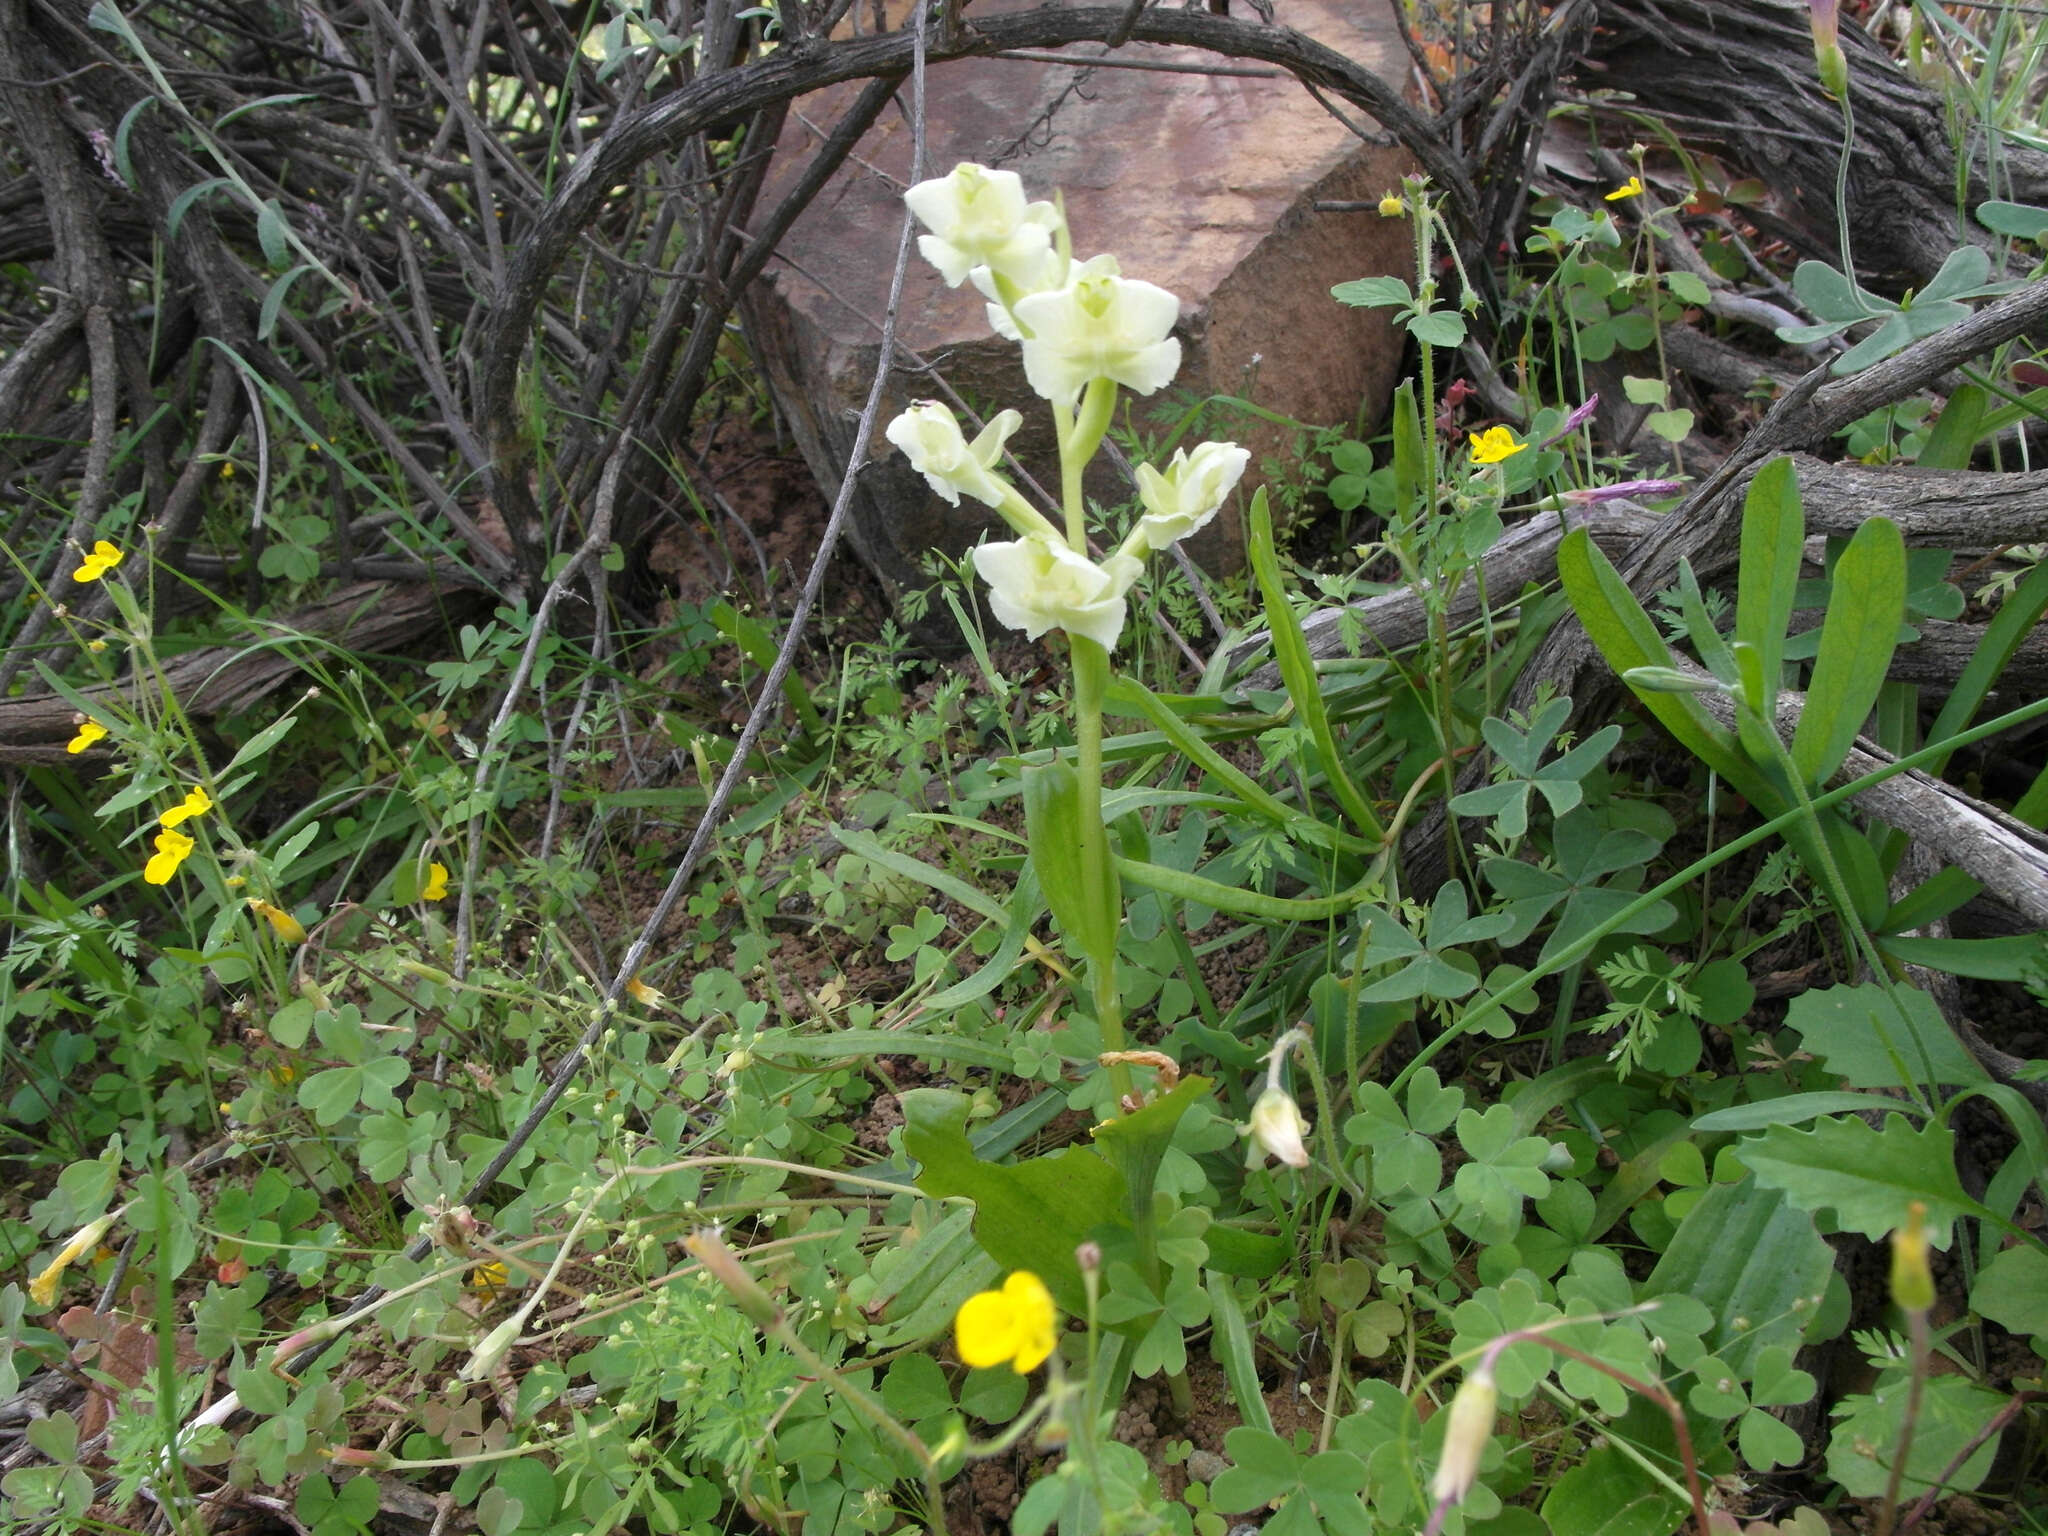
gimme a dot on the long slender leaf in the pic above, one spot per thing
(876, 852)
(1297, 670)
(1628, 638)
(2014, 621)
(1204, 892)
(1856, 643)
(1767, 576)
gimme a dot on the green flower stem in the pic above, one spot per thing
(1070, 479)
(1842, 192)
(1098, 874)
(1909, 1421)
(1098, 404)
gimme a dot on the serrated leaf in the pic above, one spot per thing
(1859, 1034)
(1028, 1215)
(1865, 1178)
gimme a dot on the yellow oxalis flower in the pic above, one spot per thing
(172, 849)
(282, 923)
(1633, 187)
(436, 888)
(1015, 1324)
(99, 560)
(89, 731)
(197, 802)
(1495, 444)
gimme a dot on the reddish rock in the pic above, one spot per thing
(1203, 184)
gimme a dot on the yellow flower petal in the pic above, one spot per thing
(172, 849)
(282, 923)
(1495, 444)
(89, 731)
(197, 802)
(1633, 187)
(99, 560)
(1015, 1324)
(489, 1279)
(436, 888)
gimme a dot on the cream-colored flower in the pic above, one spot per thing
(1038, 583)
(1188, 492)
(979, 218)
(1101, 325)
(1278, 1128)
(1465, 1437)
(931, 439)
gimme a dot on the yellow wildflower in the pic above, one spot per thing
(489, 1279)
(1493, 445)
(197, 802)
(282, 923)
(227, 469)
(172, 849)
(89, 731)
(436, 888)
(99, 560)
(1015, 1324)
(644, 995)
(42, 1289)
(1391, 206)
(1633, 187)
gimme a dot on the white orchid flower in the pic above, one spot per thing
(1101, 325)
(1188, 493)
(978, 218)
(930, 436)
(1278, 1128)
(1037, 583)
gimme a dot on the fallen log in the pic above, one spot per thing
(220, 679)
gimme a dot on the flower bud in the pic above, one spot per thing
(1912, 1277)
(1465, 1438)
(1278, 1128)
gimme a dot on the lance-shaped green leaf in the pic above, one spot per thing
(1856, 643)
(1052, 818)
(1767, 572)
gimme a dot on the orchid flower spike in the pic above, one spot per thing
(1037, 583)
(1101, 325)
(980, 221)
(1183, 498)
